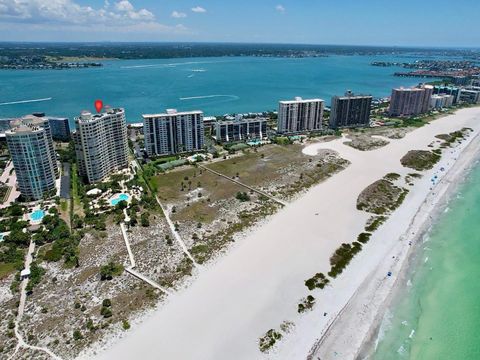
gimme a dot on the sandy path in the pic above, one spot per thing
(258, 284)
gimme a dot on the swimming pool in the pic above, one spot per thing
(1, 237)
(37, 215)
(120, 197)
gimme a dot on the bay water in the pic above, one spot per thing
(215, 85)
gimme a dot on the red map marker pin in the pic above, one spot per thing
(98, 105)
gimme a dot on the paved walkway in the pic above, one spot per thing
(127, 244)
(133, 264)
(65, 181)
(175, 233)
(281, 202)
(147, 280)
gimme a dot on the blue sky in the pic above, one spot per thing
(356, 22)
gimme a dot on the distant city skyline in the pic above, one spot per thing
(369, 22)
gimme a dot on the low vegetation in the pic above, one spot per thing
(268, 340)
(342, 257)
(242, 196)
(306, 304)
(374, 223)
(392, 176)
(381, 197)
(365, 143)
(453, 137)
(420, 160)
(107, 272)
(319, 281)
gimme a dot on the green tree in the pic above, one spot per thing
(107, 272)
(145, 219)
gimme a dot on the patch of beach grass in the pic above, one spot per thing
(381, 197)
(420, 160)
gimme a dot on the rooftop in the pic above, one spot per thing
(298, 100)
(26, 124)
(171, 112)
(86, 116)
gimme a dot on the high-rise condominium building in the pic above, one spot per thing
(427, 95)
(469, 96)
(59, 126)
(31, 146)
(241, 129)
(173, 132)
(350, 110)
(410, 101)
(101, 144)
(448, 90)
(299, 115)
(440, 101)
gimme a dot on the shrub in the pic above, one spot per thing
(144, 220)
(364, 237)
(242, 196)
(106, 312)
(319, 280)
(107, 272)
(268, 340)
(77, 335)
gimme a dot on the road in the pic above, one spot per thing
(65, 181)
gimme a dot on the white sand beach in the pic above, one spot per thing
(257, 285)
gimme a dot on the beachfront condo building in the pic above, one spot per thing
(241, 130)
(410, 101)
(350, 110)
(30, 143)
(173, 132)
(101, 144)
(469, 96)
(60, 128)
(299, 115)
(438, 101)
(448, 90)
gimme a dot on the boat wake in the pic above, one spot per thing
(25, 101)
(170, 64)
(233, 97)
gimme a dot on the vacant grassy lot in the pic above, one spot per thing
(279, 170)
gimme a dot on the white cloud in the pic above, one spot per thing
(124, 5)
(178, 15)
(51, 12)
(280, 8)
(199, 9)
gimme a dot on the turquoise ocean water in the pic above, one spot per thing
(214, 85)
(437, 316)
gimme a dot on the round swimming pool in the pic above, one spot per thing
(117, 199)
(37, 215)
